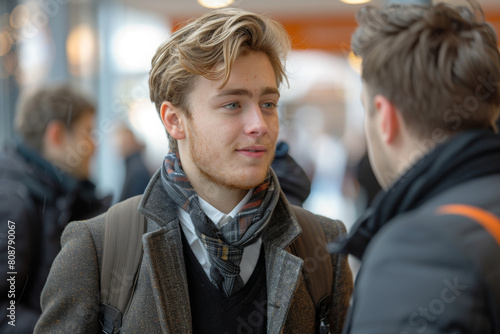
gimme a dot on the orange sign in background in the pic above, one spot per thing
(331, 33)
(334, 33)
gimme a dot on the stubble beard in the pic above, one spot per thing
(204, 163)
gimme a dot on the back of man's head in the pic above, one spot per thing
(208, 47)
(39, 107)
(438, 64)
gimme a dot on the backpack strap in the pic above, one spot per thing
(490, 224)
(122, 255)
(487, 220)
(311, 246)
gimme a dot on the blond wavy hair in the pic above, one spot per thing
(201, 46)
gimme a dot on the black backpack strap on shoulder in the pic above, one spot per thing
(311, 246)
(122, 255)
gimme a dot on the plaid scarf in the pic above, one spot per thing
(225, 244)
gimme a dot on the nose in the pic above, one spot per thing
(256, 122)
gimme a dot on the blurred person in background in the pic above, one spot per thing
(216, 251)
(44, 184)
(293, 180)
(430, 244)
(131, 150)
(367, 180)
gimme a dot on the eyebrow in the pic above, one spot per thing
(246, 92)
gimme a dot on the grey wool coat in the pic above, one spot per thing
(70, 299)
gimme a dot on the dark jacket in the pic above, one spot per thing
(39, 201)
(70, 299)
(137, 176)
(293, 180)
(426, 269)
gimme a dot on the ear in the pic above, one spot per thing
(54, 135)
(172, 119)
(388, 118)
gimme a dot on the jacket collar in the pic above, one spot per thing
(43, 179)
(163, 254)
(46, 181)
(156, 204)
(462, 158)
(163, 250)
(282, 268)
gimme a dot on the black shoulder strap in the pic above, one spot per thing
(122, 255)
(311, 246)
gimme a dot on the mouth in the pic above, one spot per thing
(253, 151)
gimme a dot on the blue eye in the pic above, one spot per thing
(232, 105)
(269, 105)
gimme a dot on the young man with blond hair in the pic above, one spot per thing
(216, 251)
(430, 244)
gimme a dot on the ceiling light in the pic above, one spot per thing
(215, 3)
(81, 49)
(131, 51)
(355, 2)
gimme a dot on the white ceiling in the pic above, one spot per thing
(277, 8)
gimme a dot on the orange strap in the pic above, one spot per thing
(487, 220)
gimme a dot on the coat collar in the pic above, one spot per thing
(163, 250)
(283, 269)
(167, 271)
(156, 204)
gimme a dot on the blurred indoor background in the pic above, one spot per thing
(106, 46)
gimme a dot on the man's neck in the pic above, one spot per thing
(221, 198)
(220, 218)
(412, 152)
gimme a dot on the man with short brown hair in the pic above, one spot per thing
(429, 244)
(44, 184)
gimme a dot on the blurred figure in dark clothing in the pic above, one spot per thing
(293, 180)
(137, 175)
(43, 186)
(367, 180)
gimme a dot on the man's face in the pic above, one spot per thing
(79, 146)
(376, 153)
(232, 132)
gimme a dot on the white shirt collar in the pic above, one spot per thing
(216, 215)
(250, 253)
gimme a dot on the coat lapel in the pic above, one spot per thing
(165, 259)
(283, 269)
(283, 277)
(163, 250)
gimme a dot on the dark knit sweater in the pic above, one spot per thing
(215, 313)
